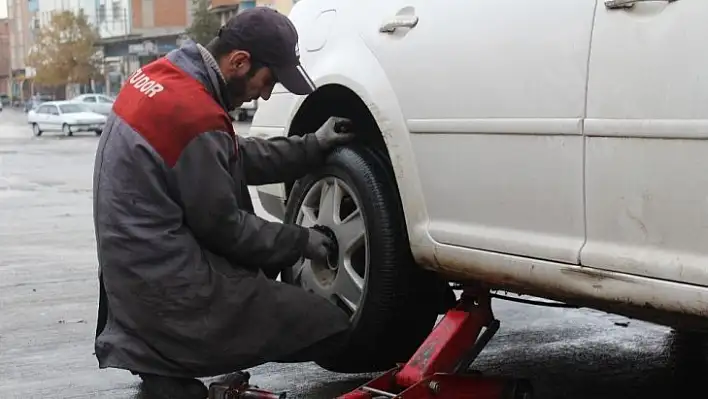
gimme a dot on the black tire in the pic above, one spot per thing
(66, 129)
(35, 130)
(242, 115)
(398, 306)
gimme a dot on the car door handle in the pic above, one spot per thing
(618, 4)
(402, 21)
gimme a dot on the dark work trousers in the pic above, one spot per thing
(318, 351)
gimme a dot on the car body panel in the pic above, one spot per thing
(349, 64)
(647, 125)
(518, 139)
(98, 103)
(509, 124)
(49, 117)
(249, 105)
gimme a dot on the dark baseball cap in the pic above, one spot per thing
(272, 40)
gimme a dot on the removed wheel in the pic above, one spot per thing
(35, 129)
(392, 302)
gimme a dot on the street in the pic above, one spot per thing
(48, 301)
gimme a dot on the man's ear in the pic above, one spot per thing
(239, 63)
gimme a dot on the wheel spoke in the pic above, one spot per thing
(330, 199)
(348, 286)
(351, 233)
(323, 205)
(309, 218)
(305, 276)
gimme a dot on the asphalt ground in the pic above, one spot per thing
(48, 300)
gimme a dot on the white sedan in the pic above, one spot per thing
(245, 108)
(98, 103)
(65, 116)
(548, 158)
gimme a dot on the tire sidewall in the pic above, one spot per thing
(392, 274)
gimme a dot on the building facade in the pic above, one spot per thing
(133, 33)
(152, 29)
(225, 9)
(22, 23)
(283, 6)
(113, 18)
(4, 56)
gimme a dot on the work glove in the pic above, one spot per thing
(318, 247)
(335, 132)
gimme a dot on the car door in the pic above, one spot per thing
(90, 102)
(647, 131)
(40, 116)
(493, 92)
(54, 120)
(105, 105)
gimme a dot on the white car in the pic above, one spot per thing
(554, 148)
(65, 116)
(98, 103)
(246, 108)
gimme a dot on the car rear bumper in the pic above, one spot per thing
(88, 127)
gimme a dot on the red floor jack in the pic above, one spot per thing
(439, 368)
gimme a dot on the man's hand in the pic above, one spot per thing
(330, 135)
(318, 246)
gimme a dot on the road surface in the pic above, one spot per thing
(48, 298)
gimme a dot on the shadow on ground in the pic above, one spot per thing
(591, 373)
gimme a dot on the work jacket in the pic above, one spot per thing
(181, 254)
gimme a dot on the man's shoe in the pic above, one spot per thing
(159, 387)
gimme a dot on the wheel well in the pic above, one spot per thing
(336, 100)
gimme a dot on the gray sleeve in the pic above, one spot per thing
(278, 159)
(207, 194)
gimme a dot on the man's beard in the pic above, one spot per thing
(236, 89)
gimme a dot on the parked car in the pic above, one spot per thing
(246, 110)
(98, 103)
(36, 100)
(65, 116)
(553, 148)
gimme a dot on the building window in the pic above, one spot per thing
(102, 13)
(117, 11)
(246, 4)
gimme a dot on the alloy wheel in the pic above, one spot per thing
(332, 203)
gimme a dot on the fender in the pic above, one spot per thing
(351, 64)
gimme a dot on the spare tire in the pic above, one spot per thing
(393, 303)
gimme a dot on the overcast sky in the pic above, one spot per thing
(3, 8)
